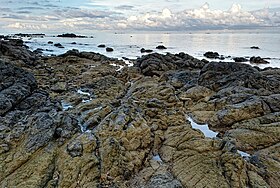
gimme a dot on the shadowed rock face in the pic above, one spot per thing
(128, 129)
(15, 50)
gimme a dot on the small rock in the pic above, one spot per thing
(212, 55)
(73, 43)
(143, 50)
(50, 42)
(58, 45)
(255, 47)
(161, 47)
(101, 46)
(108, 49)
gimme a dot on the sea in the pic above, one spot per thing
(229, 43)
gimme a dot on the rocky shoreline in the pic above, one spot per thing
(82, 119)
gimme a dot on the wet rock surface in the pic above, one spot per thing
(258, 60)
(129, 127)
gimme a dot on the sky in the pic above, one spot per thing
(147, 15)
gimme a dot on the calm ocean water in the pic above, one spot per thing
(227, 43)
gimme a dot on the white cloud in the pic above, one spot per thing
(203, 17)
(195, 18)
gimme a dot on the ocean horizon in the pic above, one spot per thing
(228, 43)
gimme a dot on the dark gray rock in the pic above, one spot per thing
(220, 75)
(16, 50)
(255, 47)
(161, 47)
(156, 64)
(258, 60)
(108, 49)
(240, 59)
(58, 45)
(212, 55)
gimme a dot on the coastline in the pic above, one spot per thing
(79, 115)
(230, 44)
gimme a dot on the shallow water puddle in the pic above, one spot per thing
(243, 154)
(115, 65)
(211, 134)
(129, 64)
(203, 128)
(83, 92)
(66, 106)
(157, 158)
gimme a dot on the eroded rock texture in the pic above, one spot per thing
(88, 123)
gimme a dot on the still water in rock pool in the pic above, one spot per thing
(204, 128)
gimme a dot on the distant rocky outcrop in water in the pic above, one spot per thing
(71, 35)
(82, 119)
(30, 35)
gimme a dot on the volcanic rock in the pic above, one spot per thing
(129, 128)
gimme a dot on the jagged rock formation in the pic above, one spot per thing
(17, 52)
(88, 123)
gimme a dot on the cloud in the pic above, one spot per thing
(5, 10)
(200, 18)
(117, 18)
(124, 7)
